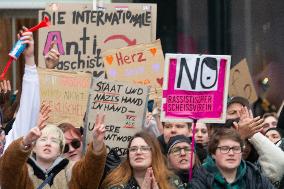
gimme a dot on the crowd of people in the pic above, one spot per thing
(246, 152)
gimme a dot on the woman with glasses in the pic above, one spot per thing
(179, 156)
(225, 167)
(74, 145)
(143, 168)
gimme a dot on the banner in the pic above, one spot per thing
(81, 33)
(241, 83)
(123, 104)
(66, 93)
(195, 88)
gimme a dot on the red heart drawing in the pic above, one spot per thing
(160, 81)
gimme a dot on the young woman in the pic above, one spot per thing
(143, 168)
(74, 144)
(45, 167)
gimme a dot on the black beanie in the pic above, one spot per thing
(177, 139)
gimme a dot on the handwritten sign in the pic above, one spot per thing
(141, 64)
(82, 33)
(123, 104)
(195, 87)
(241, 83)
(66, 93)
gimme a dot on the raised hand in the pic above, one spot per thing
(27, 38)
(43, 115)
(52, 57)
(35, 132)
(5, 86)
(99, 133)
(5, 90)
(248, 127)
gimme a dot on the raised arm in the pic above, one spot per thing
(30, 99)
(14, 171)
(271, 157)
(88, 172)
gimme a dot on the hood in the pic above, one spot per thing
(210, 166)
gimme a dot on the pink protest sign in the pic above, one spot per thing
(195, 88)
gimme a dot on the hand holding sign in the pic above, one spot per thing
(52, 57)
(99, 133)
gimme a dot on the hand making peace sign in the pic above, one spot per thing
(99, 133)
(35, 132)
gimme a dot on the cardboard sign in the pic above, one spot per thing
(123, 104)
(82, 33)
(241, 83)
(66, 93)
(195, 88)
(141, 64)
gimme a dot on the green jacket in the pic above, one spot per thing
(220, 181)
(248, 177)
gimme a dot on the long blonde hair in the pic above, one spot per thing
(123, 173)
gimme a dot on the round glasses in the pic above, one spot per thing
(75, 143)
(226, 149)
(143, 149)
(177, 150)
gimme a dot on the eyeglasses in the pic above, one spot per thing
(143, 149)
(177, 150)
(226, 149)
(75, 143)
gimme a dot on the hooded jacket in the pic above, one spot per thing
(20, 172)
(248, 177)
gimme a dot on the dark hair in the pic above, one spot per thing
(224, 133)
(280, 131)
(240, 100)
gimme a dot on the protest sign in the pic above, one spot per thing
(124, 105)
(241, 83)
(81, 33)
(195, 88)
(141, 64)
(66, 93)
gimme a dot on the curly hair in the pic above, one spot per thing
(123, 173)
